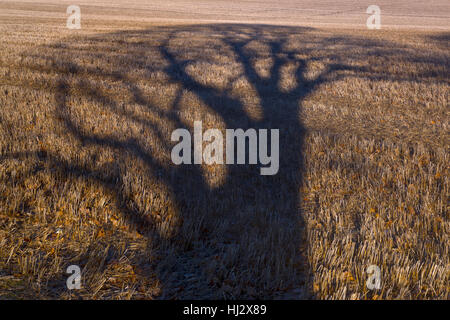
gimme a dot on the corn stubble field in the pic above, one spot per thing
(86, 176)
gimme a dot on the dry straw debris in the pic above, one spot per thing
(86, 176)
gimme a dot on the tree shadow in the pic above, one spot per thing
(242, 237)
(250, 225)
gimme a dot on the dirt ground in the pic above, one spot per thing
(344, 13)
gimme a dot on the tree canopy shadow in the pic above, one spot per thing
(250, 223)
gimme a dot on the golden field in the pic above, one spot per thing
(86, 177)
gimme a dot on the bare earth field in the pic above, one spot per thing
(86, 176)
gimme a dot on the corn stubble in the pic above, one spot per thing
(85, 125)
